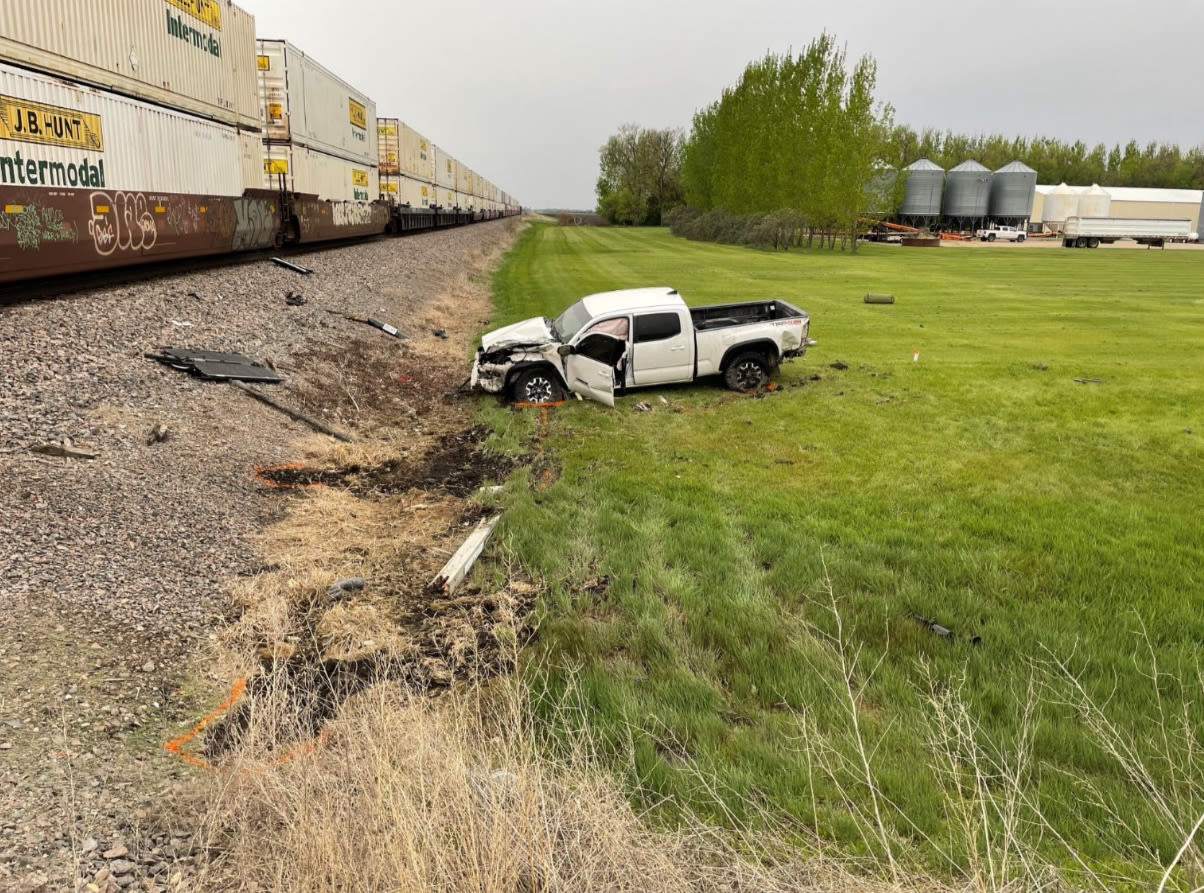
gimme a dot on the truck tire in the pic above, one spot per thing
(747, 372)
(990, 237)
(537, 385)
(1020, 238)
(1093, 243)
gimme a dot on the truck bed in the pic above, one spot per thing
(721, 316)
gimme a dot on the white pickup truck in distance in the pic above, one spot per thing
(635, 338)
(1000, 234)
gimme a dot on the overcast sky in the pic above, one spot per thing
(526, 91)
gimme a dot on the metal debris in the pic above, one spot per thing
(215, 366)
(383, 326)
(288, 265)
(294, 413)
(933, 627)
(63, 450)
(293, 299)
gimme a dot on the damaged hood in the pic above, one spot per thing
(528, 332)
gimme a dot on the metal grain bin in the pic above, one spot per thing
(1095, 202)
(1013, 189)
(1061, 203)
(922, 189)
(196, 56)
(308, 105)
(880, 190)
(967, 191)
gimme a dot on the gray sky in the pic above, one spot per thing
(526, 91)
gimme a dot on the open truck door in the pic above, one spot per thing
(589, 367)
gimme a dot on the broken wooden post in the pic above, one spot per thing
(456, 570)
(294, 413)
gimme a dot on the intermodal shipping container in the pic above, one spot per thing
(388, 139)
(309, 172)
(445, 170)
(417, 155)
(91, 178)
(404, 190)
(196, 56)
(307, 105)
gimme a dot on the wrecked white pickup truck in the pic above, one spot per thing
(635, 338)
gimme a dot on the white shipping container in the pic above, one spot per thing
(445, 169)
(316, 173)
(406, 191)
(57, 134)
(417, 155)
(388, 137)
(307, 105)
(197, 56)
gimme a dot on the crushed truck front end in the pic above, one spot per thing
(510, 348)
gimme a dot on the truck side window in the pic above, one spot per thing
(616, 327)
(656, 327)
(603, 348)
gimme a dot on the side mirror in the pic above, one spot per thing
(565, 350)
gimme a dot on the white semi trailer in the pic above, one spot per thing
(1089, 232)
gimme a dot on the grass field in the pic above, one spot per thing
(755, 646)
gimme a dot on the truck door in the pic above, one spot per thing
(590, 368)
(662, 348)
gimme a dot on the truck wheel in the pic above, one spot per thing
(990, 237)
(1020, 238)
(747, 372)
(1094, 243)
(536, 385)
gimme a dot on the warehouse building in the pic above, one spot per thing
(1053, 204)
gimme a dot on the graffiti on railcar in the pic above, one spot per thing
(352, 214)
(255, 224)
(34, 226)
(121, 221)
(184, 217)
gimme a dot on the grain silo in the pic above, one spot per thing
(1061, 203)
(922, 192)
(880, 197)
(967, 194)
(1013, 189)
(1095, 202)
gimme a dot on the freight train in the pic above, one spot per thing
(153, 130)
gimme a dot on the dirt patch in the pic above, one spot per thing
(455, 465)
(369, 384)
(345, 648)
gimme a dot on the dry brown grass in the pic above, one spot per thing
(457, 794)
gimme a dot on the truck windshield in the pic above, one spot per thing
(569, 323)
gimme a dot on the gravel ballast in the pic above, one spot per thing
(114, 568)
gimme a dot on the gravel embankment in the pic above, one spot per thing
(113, 568)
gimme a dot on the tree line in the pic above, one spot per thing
(1156, 165)
(794, 150)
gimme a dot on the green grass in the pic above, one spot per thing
(981, 487)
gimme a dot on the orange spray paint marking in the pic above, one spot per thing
(261, 472)
(176, 745)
